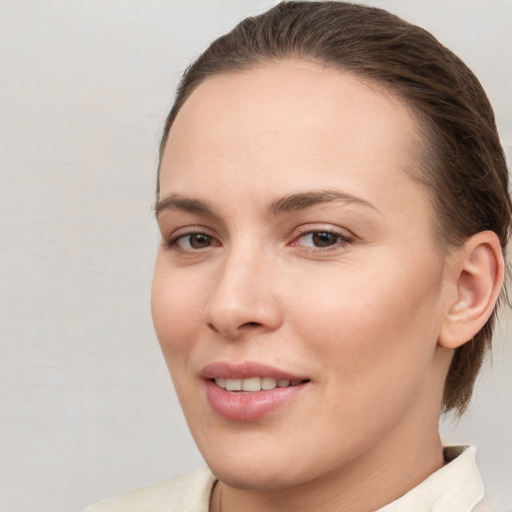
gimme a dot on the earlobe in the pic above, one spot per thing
(475, 279)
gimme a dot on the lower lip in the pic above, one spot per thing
(239, 406)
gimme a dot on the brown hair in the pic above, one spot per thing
(462, 163)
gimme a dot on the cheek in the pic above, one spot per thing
(367, 324)
(176, 312)
(176, 309)
(375, 350)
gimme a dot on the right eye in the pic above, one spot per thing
(189, 242)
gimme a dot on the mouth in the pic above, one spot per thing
(244, 392)
(255, 384)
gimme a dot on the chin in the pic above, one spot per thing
(250, 469)
(276, 467)
(261, 477)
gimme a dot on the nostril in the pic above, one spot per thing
(250, 324)
(212, 327)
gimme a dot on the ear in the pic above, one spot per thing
(474, 279)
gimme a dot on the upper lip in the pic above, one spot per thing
(246, 370)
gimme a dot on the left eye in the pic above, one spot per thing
(321, 239)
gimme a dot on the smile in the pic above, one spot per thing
(248, 391)
(254, 384)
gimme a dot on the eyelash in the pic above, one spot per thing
(341, 241)
(173, 243)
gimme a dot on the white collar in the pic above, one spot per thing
(456, 487)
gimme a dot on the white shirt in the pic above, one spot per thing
(456, 487)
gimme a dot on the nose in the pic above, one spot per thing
(244, 299)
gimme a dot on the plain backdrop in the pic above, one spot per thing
(87, 407)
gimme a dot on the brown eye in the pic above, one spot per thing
(194, 241)
(324, 238)
(191, 242)
(200, 240)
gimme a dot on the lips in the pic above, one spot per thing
(246, 370)
(249, 391)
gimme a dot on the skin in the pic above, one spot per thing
(361, 317)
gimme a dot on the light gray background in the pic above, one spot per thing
(87, 408)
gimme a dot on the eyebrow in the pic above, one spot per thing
(303, 200)
(280, 205)
(177, 202)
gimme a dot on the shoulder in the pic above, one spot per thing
(190, 492)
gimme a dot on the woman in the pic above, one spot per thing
(333, 204)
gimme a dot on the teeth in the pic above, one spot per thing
(233, 384)
(268, 383)
(254, 383)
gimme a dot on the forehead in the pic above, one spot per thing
(290, 124)
(294, 99)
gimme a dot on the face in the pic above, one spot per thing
(298, 287)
